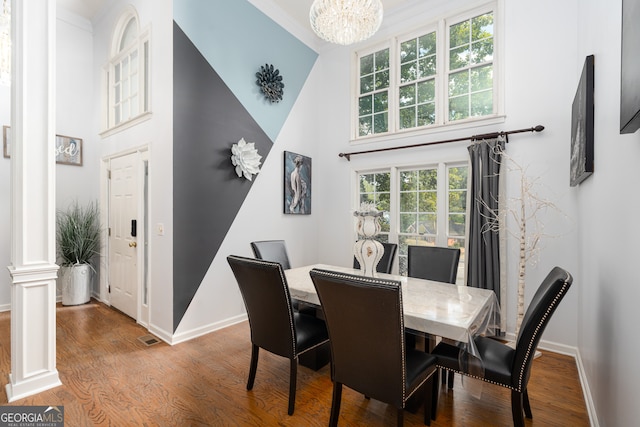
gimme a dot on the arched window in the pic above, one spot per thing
(127, 73)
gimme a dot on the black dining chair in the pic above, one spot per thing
(366, 334)
(274, 325)
(386, 262)
(506, 366)
(272, 250)
(433, 263)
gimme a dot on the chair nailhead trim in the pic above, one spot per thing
(529, 348)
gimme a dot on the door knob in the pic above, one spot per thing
(132, 244)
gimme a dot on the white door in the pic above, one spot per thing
(123, 231)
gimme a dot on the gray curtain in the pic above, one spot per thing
(483, 246)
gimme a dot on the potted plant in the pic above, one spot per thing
(78, 238)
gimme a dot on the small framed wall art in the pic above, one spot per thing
(297, 184)
(68, 149)
(582, 126)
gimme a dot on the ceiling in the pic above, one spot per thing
(297, 9)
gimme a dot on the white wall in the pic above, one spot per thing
(539, 86)
(218, 300)
(5, 208)
(156, 133)
(74, 103)
(608, 205)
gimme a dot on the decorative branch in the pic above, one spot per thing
(525, 210)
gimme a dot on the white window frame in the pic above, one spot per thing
(442, 211)
(441, 26)
(141, 44)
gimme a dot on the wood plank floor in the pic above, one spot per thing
(111, 378)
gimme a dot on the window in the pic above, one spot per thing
(374, 93)
(442, 75)
(422, 206)
(127, 73)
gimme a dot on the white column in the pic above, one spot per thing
(33, 269)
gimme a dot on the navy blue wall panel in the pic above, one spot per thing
(207, 194)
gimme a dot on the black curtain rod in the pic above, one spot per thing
(538, 128)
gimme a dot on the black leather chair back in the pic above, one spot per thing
(386, 262)
(272, 250)
(535, 320)
(266, 297)
(433, 263)
(366, 331)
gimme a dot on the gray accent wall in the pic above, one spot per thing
(207, 120)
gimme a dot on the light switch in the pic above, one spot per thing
(160, 229)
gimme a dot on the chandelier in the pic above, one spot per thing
(345, 21)
(5, 43)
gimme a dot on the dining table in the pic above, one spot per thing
(452, 312)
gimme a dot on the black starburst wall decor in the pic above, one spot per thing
(270, 82)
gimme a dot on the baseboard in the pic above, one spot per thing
(555, 347)
(5, 307)
(588, 399)
(575, 353)
(195, 333)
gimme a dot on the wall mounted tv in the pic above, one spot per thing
(630, 68)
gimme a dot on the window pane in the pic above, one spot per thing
(408, 72)
(384, 202)
(408, 202)
(427, 45)
(457, 201)
(382, 79)
(366, 65)
(408, 223)
(380, 102)
(134, 61)
(428, 179)
(482, 51)
(427, 201)
(407, 95)
(366, 105)
(408, 180)
(366, 183)
(407, 118)
(134, 106)
(383, 182)
(367, 198)
(458, 108)
(482, 78)
(459, 83)
(365, 126)
(129, 34)
(366, 84)
(427, 67)
(408, 51)
(456, 224)
(459, 34)
(426, 91)
(459, 57)
(426, 114)
(381, 60)
(482, 26)
(116, 76)
(380, 123)
(482, 103)
(427, 224)
(458, 177)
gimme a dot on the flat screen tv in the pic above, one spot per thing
(630, 68)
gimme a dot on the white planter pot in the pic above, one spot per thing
(76, 284)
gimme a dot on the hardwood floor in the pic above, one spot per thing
(112, 378)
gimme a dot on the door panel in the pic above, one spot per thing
(123, 251)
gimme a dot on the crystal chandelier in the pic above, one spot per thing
(345, 21)
(5, 43)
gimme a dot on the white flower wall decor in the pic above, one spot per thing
(245, 157)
